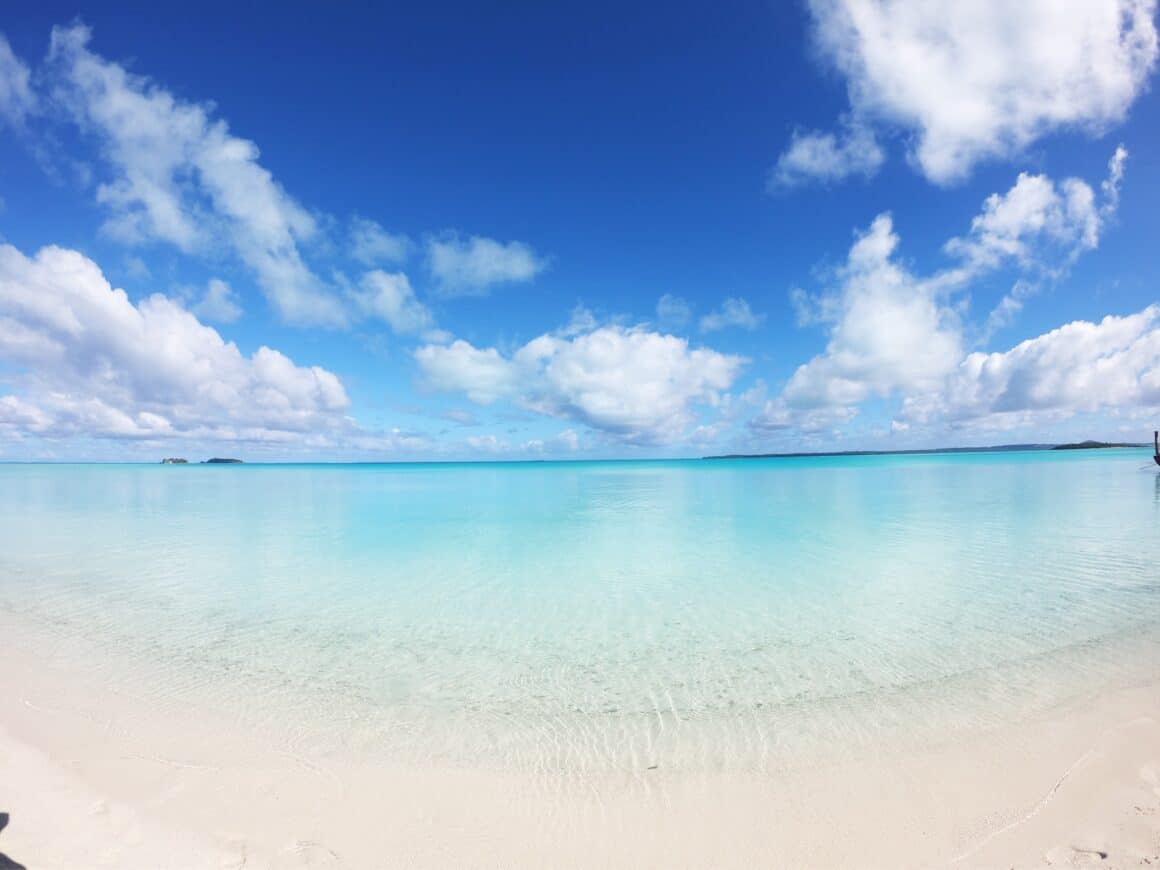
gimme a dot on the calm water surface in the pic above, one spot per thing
(593, 616)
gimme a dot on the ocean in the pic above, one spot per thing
(578, 618)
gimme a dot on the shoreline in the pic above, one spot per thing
(96, 775)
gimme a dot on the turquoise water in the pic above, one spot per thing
(592, 616)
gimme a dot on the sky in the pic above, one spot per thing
(523, 230)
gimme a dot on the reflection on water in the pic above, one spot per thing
(591, 615)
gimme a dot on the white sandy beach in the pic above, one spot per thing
(95, 777)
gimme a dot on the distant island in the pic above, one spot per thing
(1093, 445)
(174, 460)
(998, 448)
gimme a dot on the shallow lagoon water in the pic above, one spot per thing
(600, 616)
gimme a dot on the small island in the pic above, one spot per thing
(217, 460)
(174, 460)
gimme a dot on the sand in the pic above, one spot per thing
(93, 776)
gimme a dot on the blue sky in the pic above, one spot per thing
(537, 230)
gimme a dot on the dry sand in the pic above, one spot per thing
(93, 777)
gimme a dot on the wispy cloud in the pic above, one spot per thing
(176, 174)
(372, 245)
(734, 312)
(17, 99)
(220, 303)
(472, 266)
(815, 156)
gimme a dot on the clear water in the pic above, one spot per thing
(582, 617)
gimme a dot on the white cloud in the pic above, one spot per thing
(1079, 367)
(564, 442)
(180, 176)
(17, 100)
(372, 245)
(473, 266)
(172, 172)
(567, 441)
(817, 156)
(485, 376)
(636, 385)
(580, 320)
(777, 416)
(1042, 226)
(92, 363)
(19, 416)
(390, 297)
(1004, 314)
(1038, 217)
(892, 332)
(220, 303)
(733, 312)
(1111, 185)
(982, 80)
(488, 444)
(673, 312)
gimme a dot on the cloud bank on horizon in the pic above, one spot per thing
(885, 344)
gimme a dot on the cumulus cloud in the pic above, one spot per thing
(220, 303)
(484, 375)
(633, 384)
(1037, 216)
(92, 363)
(1079, 367)
(976, 81)
(17, 100)
(371, 245)
(816, 156)
(389, 296)
(733, 312)
(178, 175)
(471, 267)
(892, 332)
(1042, 226)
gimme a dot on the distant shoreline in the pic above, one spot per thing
(1000, 448)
